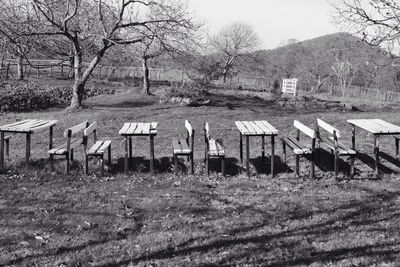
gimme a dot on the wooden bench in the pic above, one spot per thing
(298, 148)
(338, 149)
(184, 147)
(214, 149)
(98, 148)
(74, 136)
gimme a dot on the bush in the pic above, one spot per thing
(29, 96)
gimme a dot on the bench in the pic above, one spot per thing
(184, 147)
(97, 150)
(214, 149)
(338, 149)
(74, 136)
(298, 148)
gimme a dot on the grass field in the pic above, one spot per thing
(53, 219)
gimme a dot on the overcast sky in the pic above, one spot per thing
(273, 20)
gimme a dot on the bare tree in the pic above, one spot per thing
(344, 72)
(377, 21)
(14, 17)
(102, 24)
(232, 42)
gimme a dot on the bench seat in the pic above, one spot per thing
(99, 147)
(62, 150)
(296, 146)
(342, 149)
(216, 148)
(180, 147)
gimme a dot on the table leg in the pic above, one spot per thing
(263, 148)
(130, 148)
(272, 155)
(376, 148)
(151, 153)
(51, 137)
(28, 149)
(1, 150)
(241, 148)
(247, 156)
(126, 155)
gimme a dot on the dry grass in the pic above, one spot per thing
(58, 220)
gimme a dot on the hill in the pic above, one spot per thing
(330, 58)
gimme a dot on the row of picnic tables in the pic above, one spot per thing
(247, 129)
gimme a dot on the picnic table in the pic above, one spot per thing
(377, 127)
(256, 129)
(131, 129)
(27, 127)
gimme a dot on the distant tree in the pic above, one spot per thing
(99, 25)
(286, 60)
(14, 18)
(232, 42)
(344, 72)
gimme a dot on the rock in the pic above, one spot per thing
(186, 101)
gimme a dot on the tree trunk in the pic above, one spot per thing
(146, 80)
(79, 84)
(20, 67)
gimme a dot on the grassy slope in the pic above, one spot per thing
(51, 219)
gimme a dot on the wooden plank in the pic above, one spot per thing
(124, 128)
(90, 129)
(249, 127)
(207, 130)
(342, 149)
(185, 146)
(153, 128)
(265, 129)
(221, 149)
(139, 128)
(241, 127)
(76, 129)
(104, 146)
(176, 146)
(392, 128)
(62, 149)
(4, 127)
(213, 147)
(48, 124)
(270, 127)
(26, 126)
(189, 127)
(297, 148)
(146, 128)
(94, 148)
(257, 128)
(366, 125)
(305, 129)
(327, 127)
(132, 128)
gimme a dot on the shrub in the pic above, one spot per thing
(29, 96)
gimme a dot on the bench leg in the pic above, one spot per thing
(86, 164)
(208, 165)
(126, 155)
(67, 156)
(176, 164)
(284, 151)
(151, 153)
(297, 166)
(312, 174)
(241, 148)
(272, 155)
(376, 148)
(335, 163)
(263, 148)
(397, 148)
(109, 155)
(223, 166)
(191, 163)
(28, 150)
(247, 156)
(51, 162)
(72, 155)
(352, 166)
(7, 145)
(102, 165)
(1, 149)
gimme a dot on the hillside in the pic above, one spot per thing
(312, 61)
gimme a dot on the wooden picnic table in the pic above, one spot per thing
(377, 127)
(131, 129)
(256, 128)
(27, 127)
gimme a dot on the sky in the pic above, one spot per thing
(273, 20)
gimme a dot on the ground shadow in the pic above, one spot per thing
(323, 160)
(390, 159)
(231, 166)
(142, 164)
(134, 103)
(263, 165)
(370, 162)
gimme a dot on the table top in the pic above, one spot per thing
(376, 126)
(256, 128)
(139, 128)
(28, 126)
